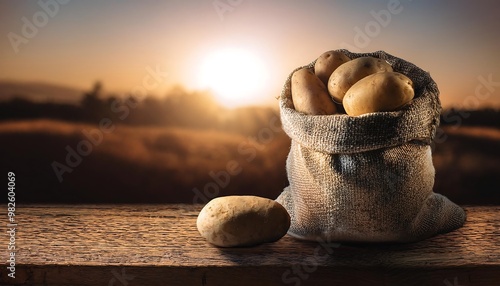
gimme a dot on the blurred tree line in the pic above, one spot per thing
(182, 108)
(179, 107)
(488, 117)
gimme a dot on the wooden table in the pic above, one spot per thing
(159, 245)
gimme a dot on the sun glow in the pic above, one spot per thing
(236, 76)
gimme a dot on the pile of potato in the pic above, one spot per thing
(359, 86)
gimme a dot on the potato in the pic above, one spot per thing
(309, 94)
(349, 73)
(242, 221)
(385, 91)
(327, 63)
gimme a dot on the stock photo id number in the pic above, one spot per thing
(11, 224)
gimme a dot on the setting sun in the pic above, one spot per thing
(235, 76)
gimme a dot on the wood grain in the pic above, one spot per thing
(159, 245)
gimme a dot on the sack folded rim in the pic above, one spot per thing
(341, 133)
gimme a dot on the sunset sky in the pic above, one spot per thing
(114, 41)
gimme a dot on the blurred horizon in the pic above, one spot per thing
(76, 43)
(187, 148)
(123, 101)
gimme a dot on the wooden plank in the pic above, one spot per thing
(159, 245)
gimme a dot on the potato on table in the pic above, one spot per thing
(242, 221)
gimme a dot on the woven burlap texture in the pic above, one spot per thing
(368, 178)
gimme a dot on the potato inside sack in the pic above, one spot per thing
(386, 91)
(309, 94)
(327, 63)
(347, 74)
(367, 176)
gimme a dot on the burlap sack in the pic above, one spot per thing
(367, 178)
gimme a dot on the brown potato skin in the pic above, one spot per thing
(309, 94)
(385, 91)
(234, 221)
(327, 63)
(349, 73)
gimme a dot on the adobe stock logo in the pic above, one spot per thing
(373, 28)
(94, 137)
(40, 19)
(223, 6)
(221, 179)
